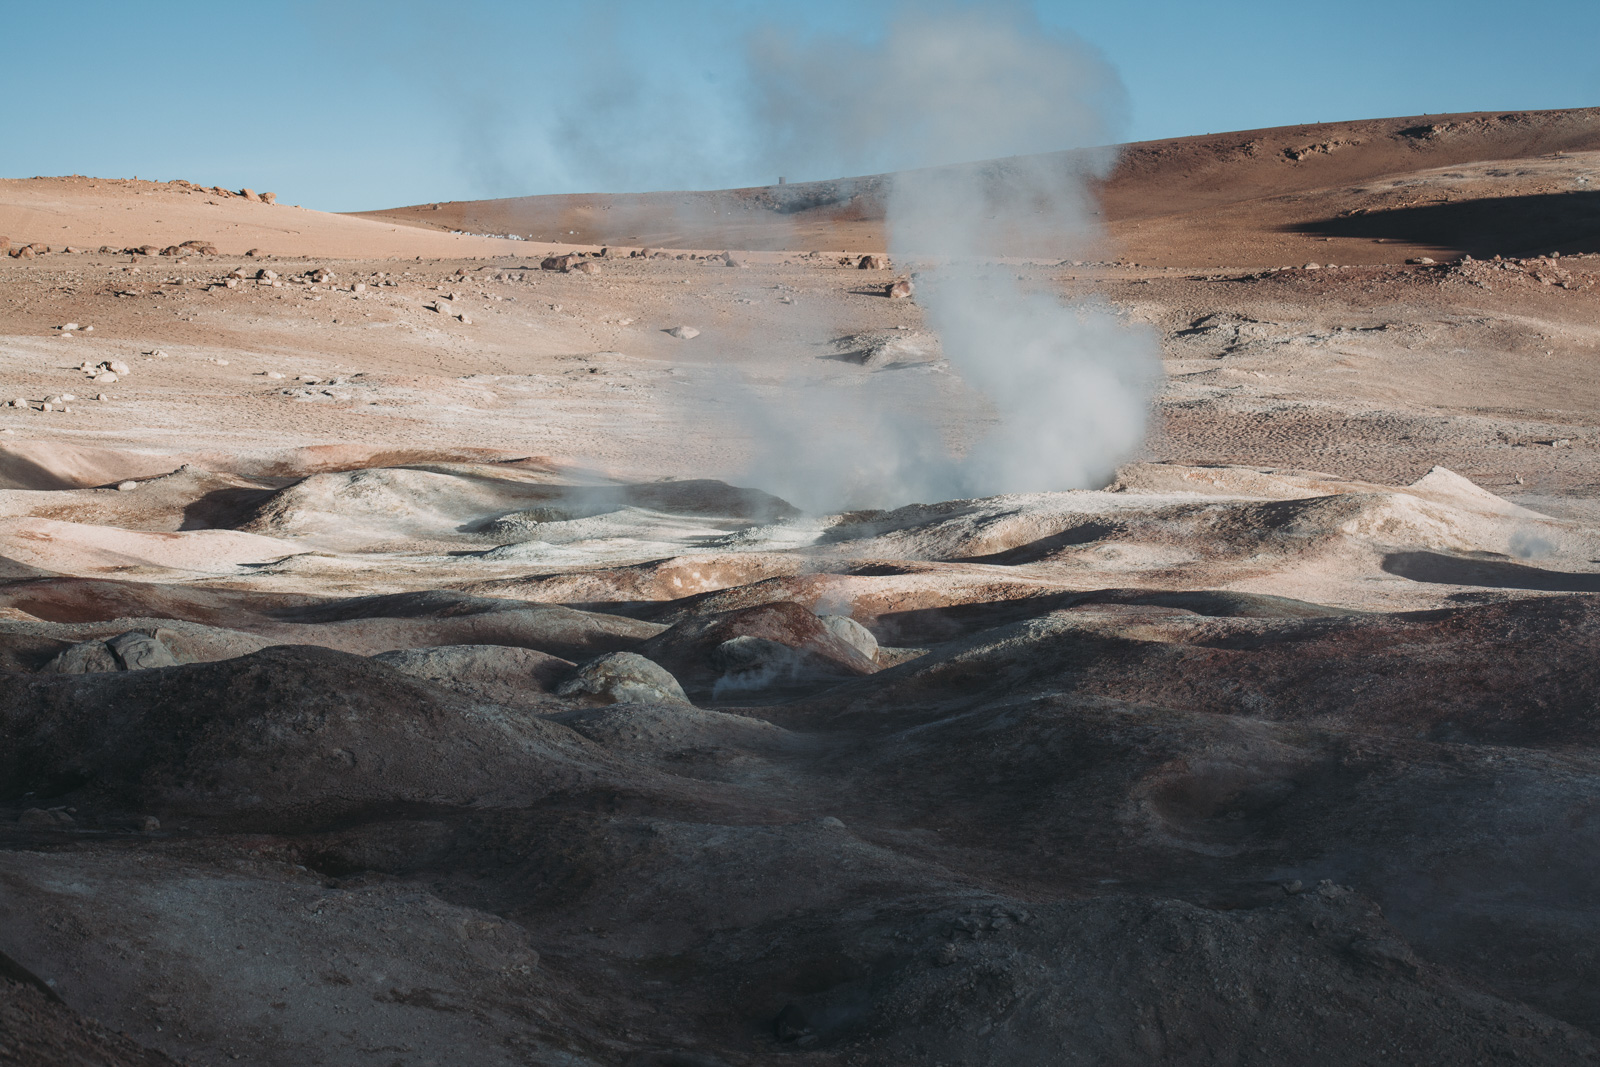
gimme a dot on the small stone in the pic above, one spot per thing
(127, 486)
(731, 260)
(587, 266)
(149, 824)
(250, 194)
(68, 328)
(274, 375)
(358, 287)
(1421, 261)
(102, 396)
(269, 198)
(47, 406)
(684, 333)
(116, 366)
(898, 290)
(443, 307)
(873, 261)
(558, 263)
(465, 321)
(19, 402)
(105, 377)
(254, 252)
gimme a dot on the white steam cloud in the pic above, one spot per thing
(1067, 387)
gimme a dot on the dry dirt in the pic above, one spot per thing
(1279, 748)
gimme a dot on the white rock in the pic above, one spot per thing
(465, 321)
(101, 396)
(358, 287)
(274, 375)
(19, 402)
(127, 486)
(116, 366)
(88, 329)
(47, 406)
(684, 333)
(68, 397)
(105, 377)
(69, 327)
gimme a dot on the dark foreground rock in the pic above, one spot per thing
(1115, 832)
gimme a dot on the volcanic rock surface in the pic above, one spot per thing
(386, 687)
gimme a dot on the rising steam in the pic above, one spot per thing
(1066, 386)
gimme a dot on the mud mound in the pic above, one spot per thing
(284, 736)
(1520, 672)
(495, 673)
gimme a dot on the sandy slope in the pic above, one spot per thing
(90, 213)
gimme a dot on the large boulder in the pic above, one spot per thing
(623, 678)
(135, 650)
(778, 644)
(852, 633)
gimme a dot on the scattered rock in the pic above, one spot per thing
(731, 260)
(683, 333)
(623, 678)
(269, 198)
(559, 263)
(254, 252)
(22, 253)
(68, 327)
(1421, 261)
(587, 266)
(250, 194)
(898, 290)
(127, 485)
(873, 261)
(149, 824)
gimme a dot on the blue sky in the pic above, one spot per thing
(344, 106)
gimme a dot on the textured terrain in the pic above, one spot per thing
(411, 661)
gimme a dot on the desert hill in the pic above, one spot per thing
(89, 214)
(1381, 190)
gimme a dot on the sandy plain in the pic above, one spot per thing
(1278, 747)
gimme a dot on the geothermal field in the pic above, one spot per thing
(633, 629)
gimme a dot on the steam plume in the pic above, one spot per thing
(1067, 386)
